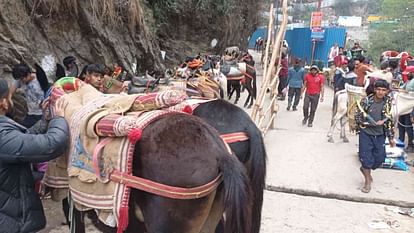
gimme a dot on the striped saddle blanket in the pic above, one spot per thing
(99, 144)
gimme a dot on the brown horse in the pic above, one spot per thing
(182, 151)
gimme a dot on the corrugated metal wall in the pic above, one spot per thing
(300, 43)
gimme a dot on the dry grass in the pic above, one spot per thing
(112, 12)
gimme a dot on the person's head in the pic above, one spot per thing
(361, 59)
(94, 75)
(410, 72)
(341, 50)
(314, 69)
(356, 44)
(6, 103)
(357, 63)
(344, 64)
(23, 73)
(381, 88)
(297, 62)
(69, 62)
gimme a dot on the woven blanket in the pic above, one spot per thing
(89, 113)
(355, 94)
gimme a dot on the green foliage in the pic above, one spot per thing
(396, 36)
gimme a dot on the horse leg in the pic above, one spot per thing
(237, 87)
(343, 125)
(334, 121)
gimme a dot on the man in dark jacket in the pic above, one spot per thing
(20, 206)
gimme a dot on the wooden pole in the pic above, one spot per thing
(269, 36)
(270, 69)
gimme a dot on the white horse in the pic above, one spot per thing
(340, 107)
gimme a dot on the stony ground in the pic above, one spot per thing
(301, 161)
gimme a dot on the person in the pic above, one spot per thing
(71, 67)
(404, 121)
(373, 118)
(350, 76)
(26, 79)
(283, 75)
(94, 75)
(313, 86)
(340, 58)
(339, 78)
(361, 70)
(333, 52)
(295, 82)
(21, 209)
(356, 50)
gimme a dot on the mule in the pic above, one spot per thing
(225, 118)
(183, 151)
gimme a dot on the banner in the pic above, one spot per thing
(316, 20)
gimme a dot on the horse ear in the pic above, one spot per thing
(60, 72)
(42, 78)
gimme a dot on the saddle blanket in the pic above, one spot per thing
(99, 125)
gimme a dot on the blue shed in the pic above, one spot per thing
(300, 43)
(260, 32)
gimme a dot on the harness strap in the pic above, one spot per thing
(235, 137)
(165, 190)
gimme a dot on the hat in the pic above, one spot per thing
(314, 67)
(4, 87)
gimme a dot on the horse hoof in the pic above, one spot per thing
(346, 140)
(331, 140)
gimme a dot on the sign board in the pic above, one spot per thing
(316, 20)
(350, 21)
(317, 35)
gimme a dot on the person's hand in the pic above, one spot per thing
(392, 143)
(321, 99)
(45, 109)
(60, 107)
(380, 122)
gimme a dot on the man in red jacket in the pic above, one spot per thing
(313, 86)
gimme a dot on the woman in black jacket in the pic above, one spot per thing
(20, 206)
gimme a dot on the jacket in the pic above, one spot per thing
(295, 77)
(366, 104)
(20, 206)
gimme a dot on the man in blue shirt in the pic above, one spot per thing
(295, 82)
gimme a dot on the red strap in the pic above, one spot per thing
(165, 190)
(235, 137)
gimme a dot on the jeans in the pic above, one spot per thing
(294, 92)
(405, 125)
(312, 101)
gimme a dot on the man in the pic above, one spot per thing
(361, 70)
(94, 75)
(373, 117)
(26, 79)
(71, 67)
(283, 75)
(333, 52)
(313, 86)
(295, 83)
(339, 78)
(21, 209)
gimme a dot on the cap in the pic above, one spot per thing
(314, 67)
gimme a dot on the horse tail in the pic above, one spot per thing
(237, 195)
(257, 171)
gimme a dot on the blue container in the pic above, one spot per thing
(300, 43)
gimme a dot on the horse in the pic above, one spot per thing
(183, 151)
(340, 110)
(225, 118)
(249, 82)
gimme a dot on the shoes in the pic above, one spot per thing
(304, 121)
(310, 125)
(288, 108)
(294, 109)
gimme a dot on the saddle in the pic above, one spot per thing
(355, 94)
(142, 84)
(99, 144)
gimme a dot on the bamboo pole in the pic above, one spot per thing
(270, 79)
(256, 107)
(269, 37)
(276, 48)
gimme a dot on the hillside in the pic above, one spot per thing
(120, 31)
